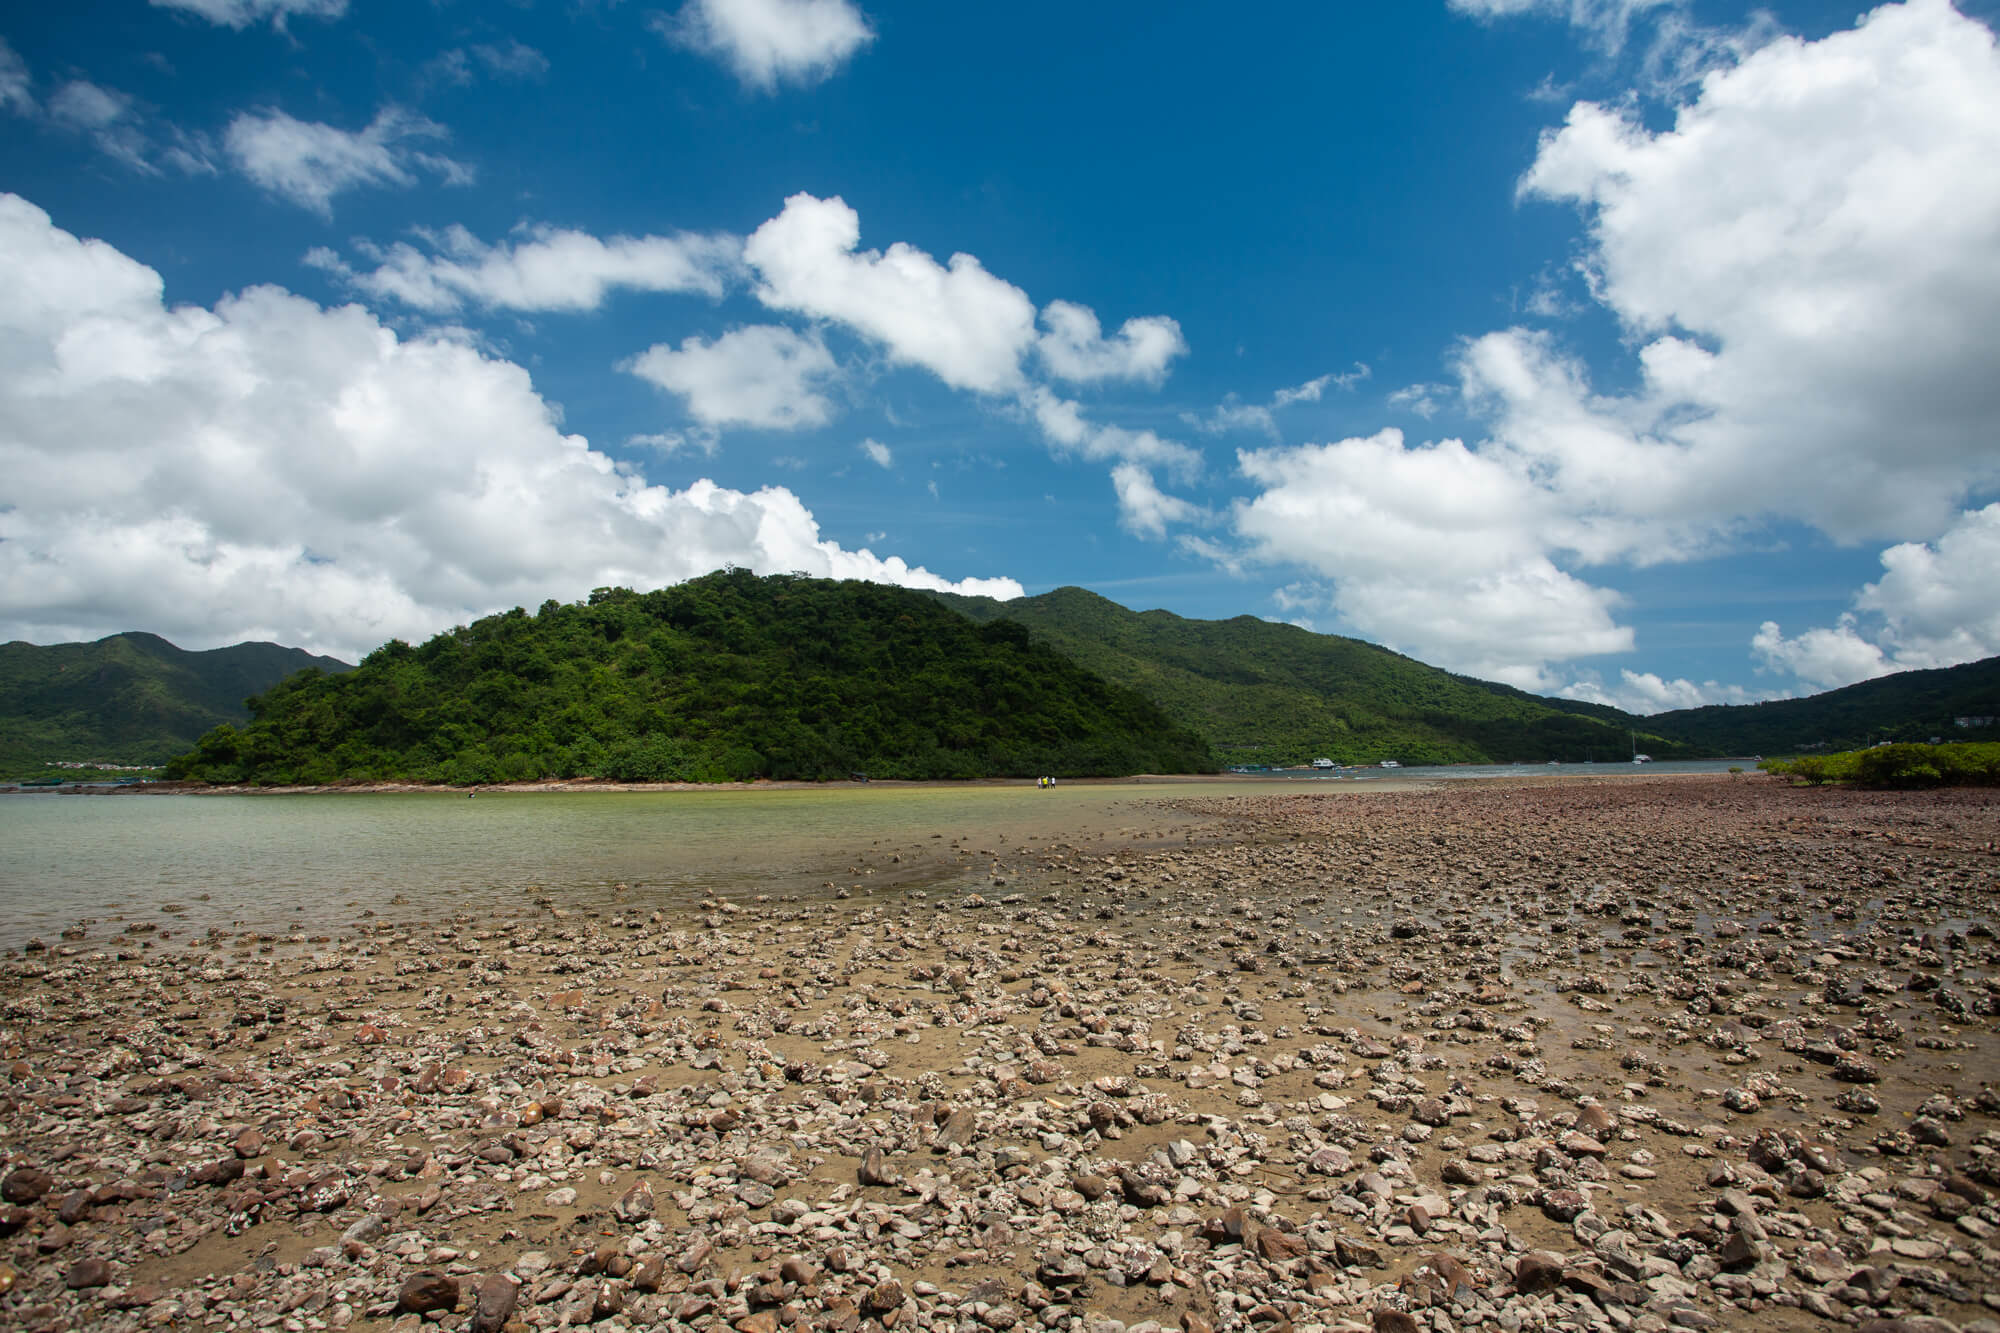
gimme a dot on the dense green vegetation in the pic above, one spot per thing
(728, 677)
(1908, 706)
(1277, 694)
(1953, 764)
(127, 699)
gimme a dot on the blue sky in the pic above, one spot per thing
(1638, 350)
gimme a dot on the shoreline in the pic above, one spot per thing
(1603, 1055)
(1250, 782)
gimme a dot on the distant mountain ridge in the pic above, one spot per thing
(1266, 693)
(130, 698)
(1908, 706)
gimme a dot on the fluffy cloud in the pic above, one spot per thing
(241, 14)
(1937, 605)
(973, 331)
(956, 320)
(1074, 347)
(878, 453)
(1430, 550)
(272, 469)
(1646, 692)
(1143, 508)
(768, 42)
(1064, 425)
(550, 269)
(764, 376)
(1808, 261)
(309, 163)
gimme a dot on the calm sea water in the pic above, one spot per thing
(319, 862)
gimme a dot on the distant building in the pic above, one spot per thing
(1986, 721)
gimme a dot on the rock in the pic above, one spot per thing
(1385, 1320)
(26, 1184)
(1538, 1271)
(636, 1204)
(494, 1305)
(876, 1170)
(87, 1273)
(883, 1297)
(422, 1293)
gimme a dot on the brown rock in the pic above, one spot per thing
(498, 1294)
(1386, 1320)
(85, 1273)
(695, 1255)
(422, 1293)
(1278, 1246)
(249, 1144)
(883, 1297)
(876, 1169)
(26, 1184)
(1537, 1271)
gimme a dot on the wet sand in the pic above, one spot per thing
(1633, 1054)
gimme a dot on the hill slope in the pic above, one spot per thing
(1277, 694)
(1908, 706)
(727, 676)
(128, 699)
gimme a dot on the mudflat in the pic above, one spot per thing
(1635, 1054)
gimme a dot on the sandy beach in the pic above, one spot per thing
(1636, 1054)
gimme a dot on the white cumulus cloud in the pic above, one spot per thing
(769, 42)
(764, 376)
(548, 268)
(1936, 605)
(1807, 261)
(271, 469)
(955, 320)
(1074, 346)
(309, 163)
(878, 453)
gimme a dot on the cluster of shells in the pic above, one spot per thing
(1636, 1055)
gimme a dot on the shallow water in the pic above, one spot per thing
(317, 862)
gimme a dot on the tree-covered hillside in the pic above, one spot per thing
(730, 676)
(129, 698)
(1277, 694)
(1908, 706)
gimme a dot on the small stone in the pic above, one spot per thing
(422, 1293)
(86, 1273)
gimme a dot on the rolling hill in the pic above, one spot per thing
(725, 677)
(1908, 706)
(1265, 693)
(130, 698)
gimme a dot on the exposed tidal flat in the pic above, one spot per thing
(1647, 1053)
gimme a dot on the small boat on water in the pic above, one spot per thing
(1389, 763)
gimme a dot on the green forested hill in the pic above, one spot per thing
(1908, 706)
(127, 699)
(1276, 694)
(730, 676)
